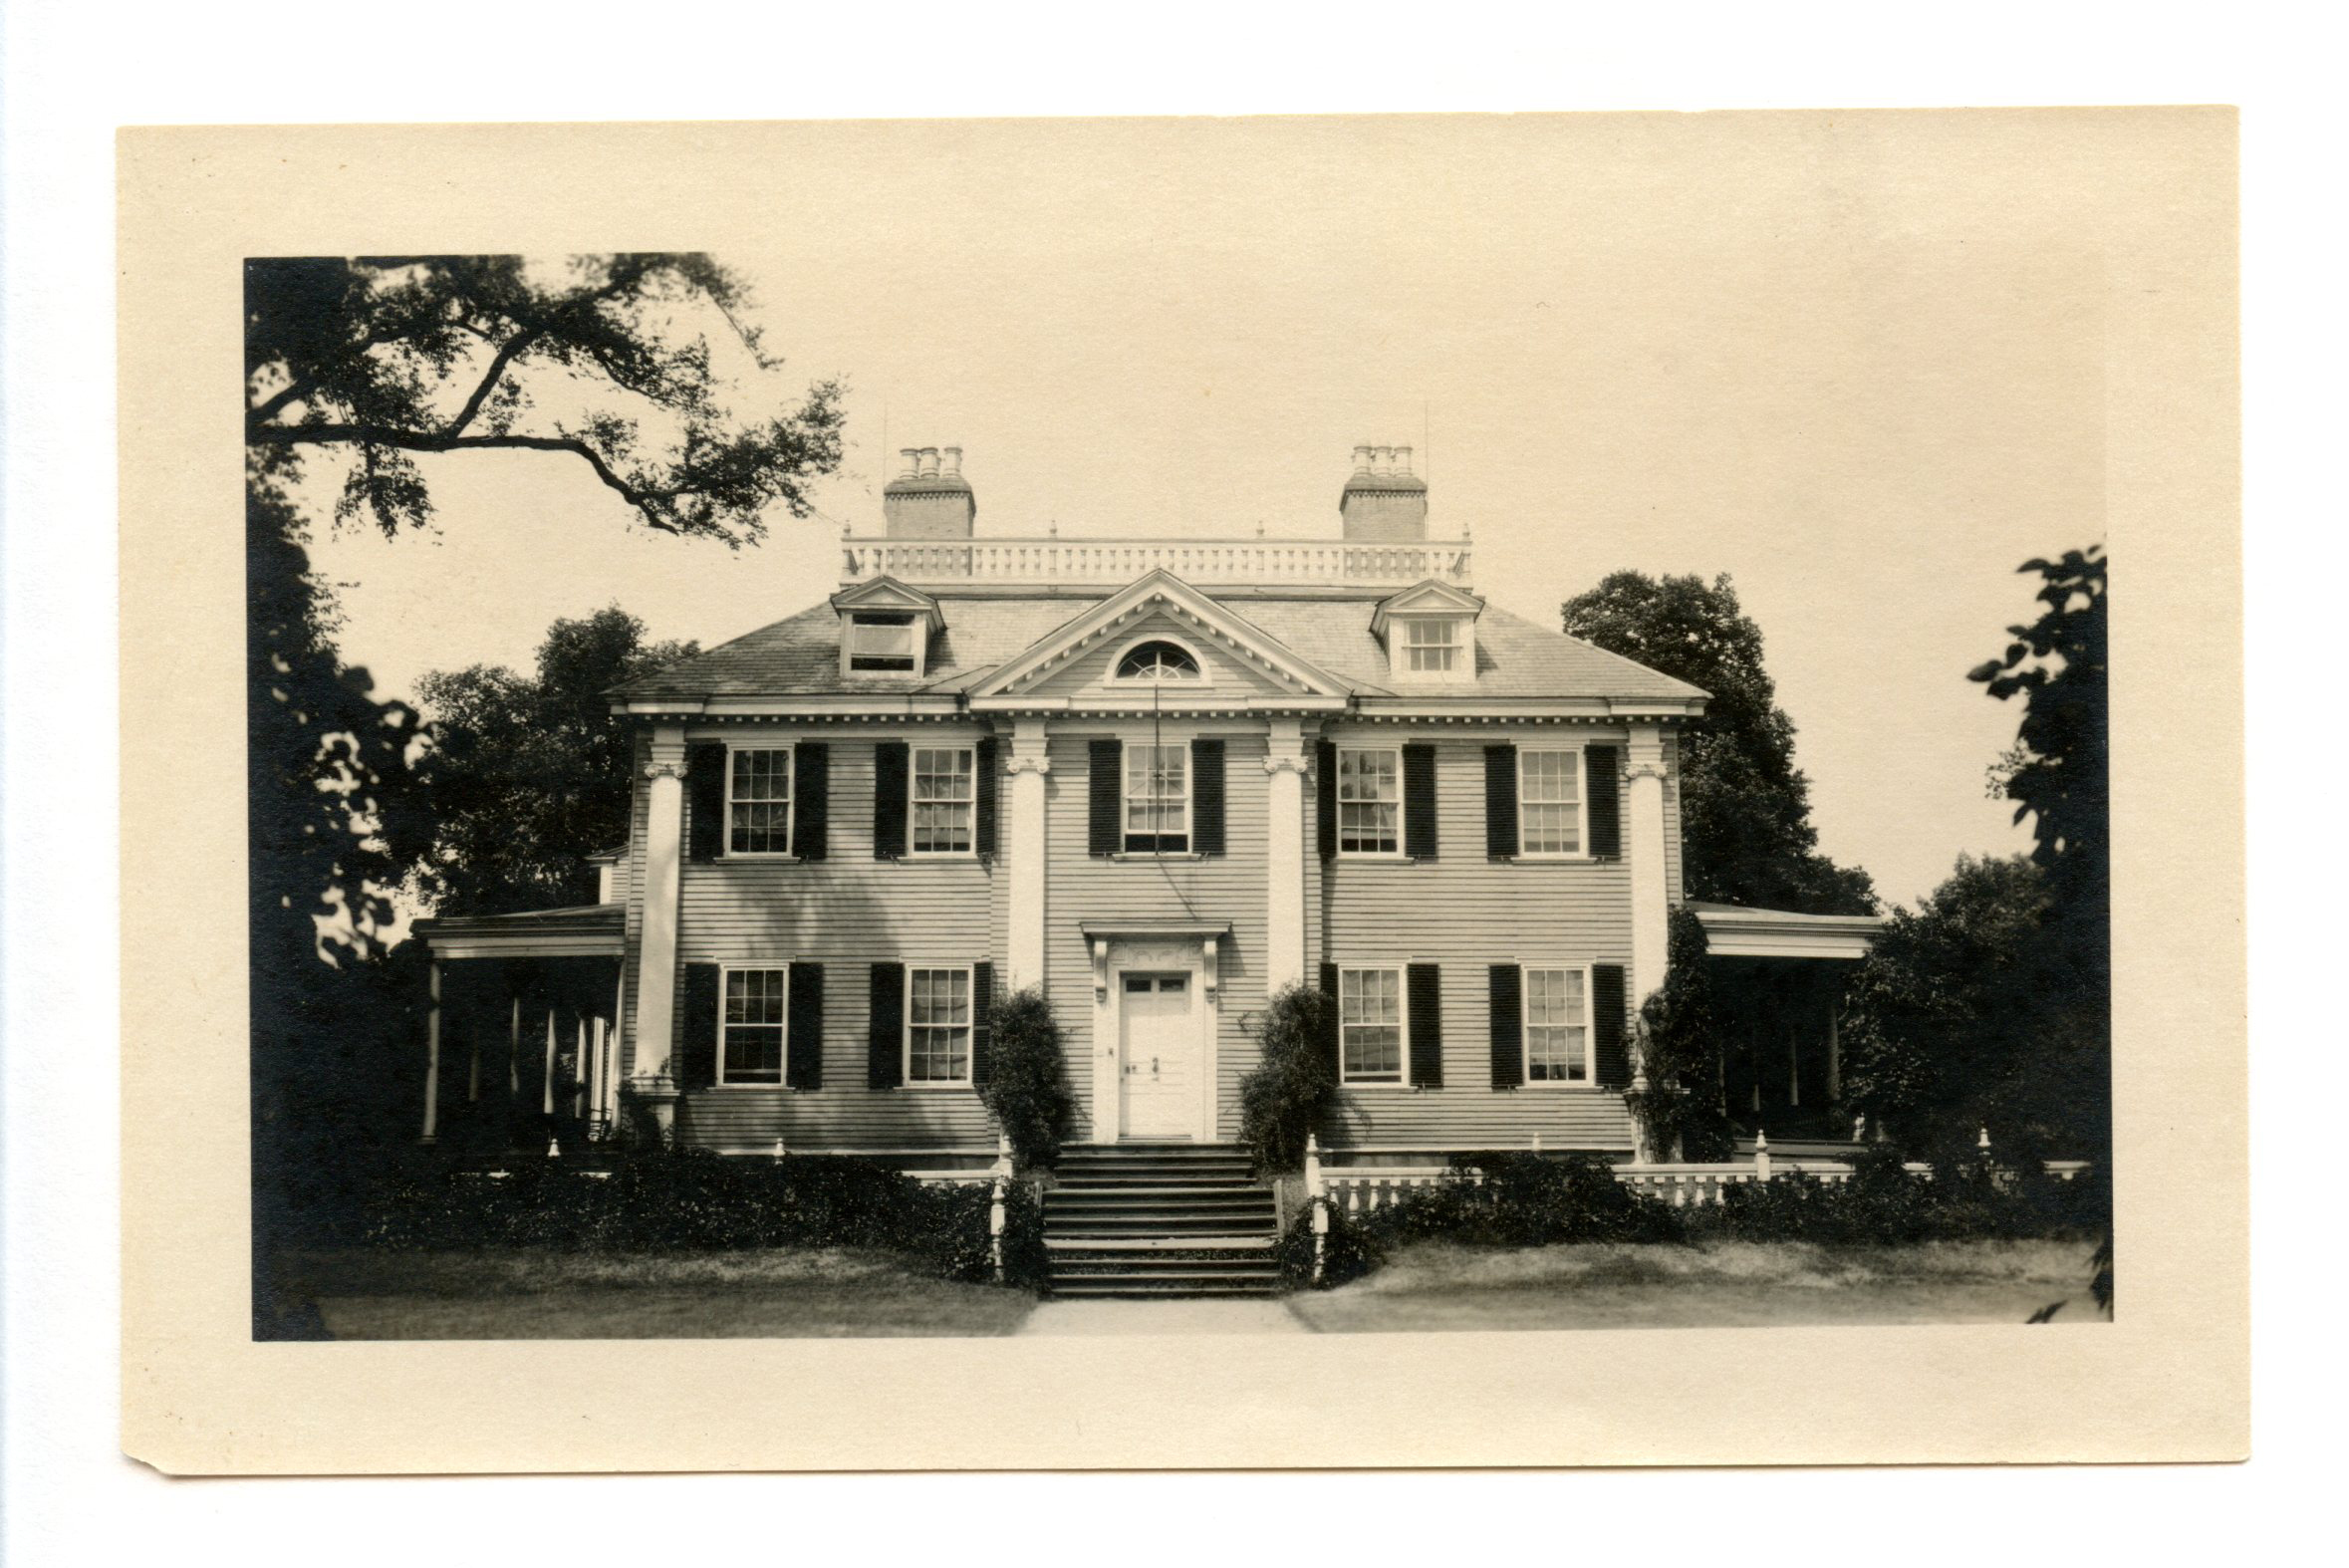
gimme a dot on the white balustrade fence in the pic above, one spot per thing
(1111, 562)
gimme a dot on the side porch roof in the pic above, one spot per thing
(1732, 930)
(585, 931)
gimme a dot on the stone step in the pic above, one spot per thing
(1160, 1225)
(1220, 1197)
(1059, 1246)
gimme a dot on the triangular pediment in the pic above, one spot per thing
(1237, 657)
(887, 593)
(1429, 598)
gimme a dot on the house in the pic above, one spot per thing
(1159, 779)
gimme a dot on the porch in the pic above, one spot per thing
(1778, 979)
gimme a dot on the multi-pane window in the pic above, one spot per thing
(752, 1050)
(1431, 647)
(1370, 802)
(1549, 795)
(942, 793)
(758, 801)
(1158, 662)
(1557, 1027)
(937, 1026)
(1369, 1025)
(1157, 796)
(882, 642)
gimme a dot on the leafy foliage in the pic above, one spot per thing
(1294, 1084)
(1745, 809)
(1026, 1086)
(529, 776)
(1681, 1038)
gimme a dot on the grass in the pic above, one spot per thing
(1433, 1286)
(534, 1294)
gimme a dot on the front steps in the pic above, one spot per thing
(1155, 1221)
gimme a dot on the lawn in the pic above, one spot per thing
(533, 1294)
(1713, 1284)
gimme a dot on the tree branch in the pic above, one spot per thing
(429, 441)
(513, 348)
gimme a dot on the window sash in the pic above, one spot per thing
(1549, 802)
(751, 1028)
(880, 643)
(942, 800)
(938, 1025)
(1370, 1026)
(1370, 802)
(1557, 1026)
(1431, 647)
(1158, 660)
(758, 801)
(1157, 796)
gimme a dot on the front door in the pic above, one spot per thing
(1158, 1054)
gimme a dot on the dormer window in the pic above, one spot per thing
(882, 642)
(1432, 646)
(1159, 661)
(1431, 633)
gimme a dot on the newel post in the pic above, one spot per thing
(1762, 1154)
(995, 1216)
(1317, 1197)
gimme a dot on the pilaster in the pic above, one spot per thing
(657, 957)
(1644, 774)
(1024, 853)
(1284, 856)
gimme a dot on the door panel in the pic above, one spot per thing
(1158, 1058)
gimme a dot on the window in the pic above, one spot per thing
(1370, 802)
(1370, 1026)
(937, 1026)
(751, 1051)
(758, 801)
(1557, 1026)
(942, 795)
(1431, 647)
(1158, 662)
(1158, 797)
(883, 642)
(1549, 803)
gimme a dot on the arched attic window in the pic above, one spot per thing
(1158, 661)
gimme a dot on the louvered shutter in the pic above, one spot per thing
(884, 1054)
(1329, 1020)
(1602, 775)
(1507, 988)
(811, 799)
(1102, 758)
(705, 799)
(1419, 802)
(803, 1067)
(1500, 802)
(1207, 796)
(890, 761)
(1613, 1065)
(982, 1022)
(1424, 992)
(1325, 799)
(699, 1052)
(984, 834)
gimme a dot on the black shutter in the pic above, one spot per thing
(885, 1059)
(983, 783)
(706, 798)
(1613, 1059)
(1329, 1021)
(1422, 988)
(1207, 796)
(804, 1068)
(1507, 992)
(1325, 799)
(1602, 773)
(1103, 759)
(889, 800)
(1419, 802)
(811, 799)
(982, 1022)
(1500, 802)
(697, 1055)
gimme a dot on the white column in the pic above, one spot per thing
(1284, 856)
(1834, 1054)
(1023, 858)
(433, 1061)
(1644, 814)
(473, 1057)
(546, 1099)
(656, 954)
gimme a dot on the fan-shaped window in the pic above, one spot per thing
(1158, 662)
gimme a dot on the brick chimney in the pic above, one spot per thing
(1384, 502)
(930, 498)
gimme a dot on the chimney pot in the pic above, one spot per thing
(913, 461)
(953, 462)
(1361, 460)
(929, 463)
(1403, 460)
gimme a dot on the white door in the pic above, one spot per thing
(1159, 1040)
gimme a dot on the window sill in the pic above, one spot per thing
(1383, 1088)
(1555, 1085)
(1376, 857)
(722, 1084)
(763, 856)
(941, 854)
(937, 1088)
(1156, 855)
(1549, 860)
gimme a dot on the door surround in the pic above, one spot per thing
(1192, 950)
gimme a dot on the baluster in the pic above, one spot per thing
(1317, 1199)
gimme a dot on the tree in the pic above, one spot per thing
(530, 776)
(1745, 809)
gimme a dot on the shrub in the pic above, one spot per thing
(1295, 1083)
(1025, 1085)
(1351, 1249)
(1536, 1200)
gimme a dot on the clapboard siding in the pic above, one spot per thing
(1465, 911)
(1230, 886)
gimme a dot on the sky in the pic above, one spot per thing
(1858, 374)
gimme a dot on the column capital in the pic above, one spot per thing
(1645, 749)
(1284, 747)
(665, 770)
